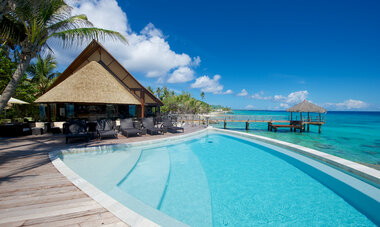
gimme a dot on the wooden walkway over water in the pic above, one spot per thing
(274, 121)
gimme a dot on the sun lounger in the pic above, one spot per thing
(168, 124)
(128, 128)
(150, 128)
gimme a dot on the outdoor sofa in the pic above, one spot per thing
(77, 129)
(150, 128)
(106, 128)
(128, 128)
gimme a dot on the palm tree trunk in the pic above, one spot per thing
(16, 78)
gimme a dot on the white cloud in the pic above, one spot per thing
(228, 92)
(196, 61)
(260, 96)
(284, 105)
(243, 93)
(249, 107)
(292, 98)
(181, 75)
(207, 84)
(147, 51)
(348, 105)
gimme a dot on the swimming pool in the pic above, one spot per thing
(220, 179)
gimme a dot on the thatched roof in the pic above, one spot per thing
(91, 84)
(96, 52)
(306, 106)
(15, 101)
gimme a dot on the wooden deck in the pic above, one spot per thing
(34, 193)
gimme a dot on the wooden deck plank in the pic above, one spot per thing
(69, 218)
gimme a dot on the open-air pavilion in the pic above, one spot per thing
(307, 107)
(95, 86)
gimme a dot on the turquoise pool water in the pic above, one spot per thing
(350, 135)
(220, 180)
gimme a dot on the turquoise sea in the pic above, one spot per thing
(347, 134)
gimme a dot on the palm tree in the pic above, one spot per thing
(42, 73)
(159, 93)
(202, 95)
(31, 23)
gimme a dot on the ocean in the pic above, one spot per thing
(352, 135)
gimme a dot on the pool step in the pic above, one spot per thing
(187, 197)
(147, 181)
(122, 169)
(108, 173)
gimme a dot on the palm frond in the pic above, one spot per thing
(79, 36)
(11, 30)
(73, 22)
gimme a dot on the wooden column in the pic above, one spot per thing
(48, 113)
(308, 127)
(225, 124)
(247, 125)
(142, 100)
(319, 129)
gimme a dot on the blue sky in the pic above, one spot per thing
(279, 52)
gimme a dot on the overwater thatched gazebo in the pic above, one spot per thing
(307, 107)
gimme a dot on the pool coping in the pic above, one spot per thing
(134, 219)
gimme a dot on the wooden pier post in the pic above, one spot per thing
(225, 124)
(247, 125)
(308, 127)
(319, 128)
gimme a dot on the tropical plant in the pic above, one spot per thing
(182, 103)
(29, 24)
(202, 95)
(42, 73)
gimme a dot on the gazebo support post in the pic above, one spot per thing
(48, 112)
(142, 99)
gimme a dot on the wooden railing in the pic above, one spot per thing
(198, 119)
(265, 118)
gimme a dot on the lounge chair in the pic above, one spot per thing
(106, 128)
(168, 124)
(150, 128)
(77, 130)
(127, 128)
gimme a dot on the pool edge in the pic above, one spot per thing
(134, 219)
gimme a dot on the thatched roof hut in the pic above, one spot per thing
(306, 107)
(95, 83)
(90, 84)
